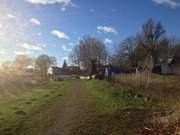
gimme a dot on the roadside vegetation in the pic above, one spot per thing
(117, 111)
(138, 104)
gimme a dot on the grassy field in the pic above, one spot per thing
(18, 107)
(104, 108)
(134, 108)
(117, 111)
(110, 98)
(113, 97)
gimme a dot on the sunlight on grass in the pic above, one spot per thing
(14, 111)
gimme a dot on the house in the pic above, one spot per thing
(57, 73)
(172, 67)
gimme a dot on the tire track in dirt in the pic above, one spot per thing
(71, 112)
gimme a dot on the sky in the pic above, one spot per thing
(54, 27)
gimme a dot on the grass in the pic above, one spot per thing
(157, 87)
(110, 98)
(116, 108)
(117, 111)
(15, 111)
(128, 107)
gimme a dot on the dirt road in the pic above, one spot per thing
(71, 111)
(63, 116)
(75, 113)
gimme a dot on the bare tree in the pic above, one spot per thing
(43, 62)
(75, 56)
(90, 49)
(129, 54)
(150, 38)
(148, 48)
(126, 52)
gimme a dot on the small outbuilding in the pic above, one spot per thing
(170, 68)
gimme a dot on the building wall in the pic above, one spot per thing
(165, 69)
(176, 69)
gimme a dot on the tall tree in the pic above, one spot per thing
(75, 56)
(150, 39)
(126, 54)
(43, 62)
(90, 49)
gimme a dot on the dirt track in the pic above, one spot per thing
(75, 114)
(71, 112)
(63, 116)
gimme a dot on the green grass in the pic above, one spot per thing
(111, 98)
(15, 111)
(125, 112)
(116, 108)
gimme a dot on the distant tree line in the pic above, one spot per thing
(149, 47)
(23, 63)
(142, 51)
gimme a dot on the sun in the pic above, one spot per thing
(12, 30)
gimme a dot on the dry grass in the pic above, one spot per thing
(165, 89)
(161, 85)
(15, 83)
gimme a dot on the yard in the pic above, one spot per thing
(82, 107)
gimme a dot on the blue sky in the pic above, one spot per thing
(53, 27)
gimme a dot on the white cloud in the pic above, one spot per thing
(65, 48)
(59, 34)
(47, 2)
(32, 47)
(107, 41)
(35, 21)
(13, 31)
(171, 3)
(11, 16)
(107, 29)
(21, 52)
